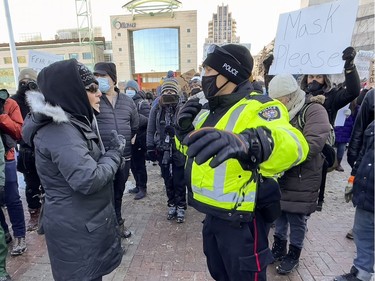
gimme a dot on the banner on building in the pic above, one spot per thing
(311, 40)
(39, 60)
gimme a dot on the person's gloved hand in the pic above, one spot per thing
(169, 130)
(2, 196)
(221, 145)
(348, 56)
(268, 61)
(349, 189)
(117, 142)
(151, 154)
(187, 113)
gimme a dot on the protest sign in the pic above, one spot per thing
(311, 40)
(363, 61)
(39, 60)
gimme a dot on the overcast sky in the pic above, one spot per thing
(256, 19)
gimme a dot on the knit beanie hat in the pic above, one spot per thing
(232, 61)
(285, 84)
(27, 73)
(132, 84)
(170, 84)
(87, 76)
(106, 68)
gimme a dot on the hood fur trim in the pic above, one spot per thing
(38, 104)
(318, 99)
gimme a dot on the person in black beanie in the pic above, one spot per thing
(234, 152)
(117, 112)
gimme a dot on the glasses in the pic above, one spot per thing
(216, 49)
(92, 88)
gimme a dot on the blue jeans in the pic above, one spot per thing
(13, 202)
(363, 231)
(297, 223)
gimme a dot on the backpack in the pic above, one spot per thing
(328, 151)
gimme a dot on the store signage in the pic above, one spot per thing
(118, 24)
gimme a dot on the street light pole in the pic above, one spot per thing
(12, 45)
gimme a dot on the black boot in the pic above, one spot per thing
(278, 248)
(134, 190)
(141, 194)
(290, 261)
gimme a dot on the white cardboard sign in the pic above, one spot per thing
(311, 40)
(39, 60)
(363, 61)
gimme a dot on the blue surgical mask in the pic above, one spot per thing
(103, 84)
(130, 93)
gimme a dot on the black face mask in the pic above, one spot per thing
(314, 86)
(22, 87)
(209, 85)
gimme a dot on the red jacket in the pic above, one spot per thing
(11, 123)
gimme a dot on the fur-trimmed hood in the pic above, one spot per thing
(327, 83)
(41, 114)
(318, 99)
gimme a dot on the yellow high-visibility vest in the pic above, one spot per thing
(229, 186)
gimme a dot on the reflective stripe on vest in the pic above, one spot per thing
(242, 198)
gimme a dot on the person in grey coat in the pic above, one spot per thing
(299, 185)
(78, 216)
(117, 112)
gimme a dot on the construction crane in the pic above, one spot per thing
(85, 27)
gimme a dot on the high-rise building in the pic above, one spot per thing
(222, 27)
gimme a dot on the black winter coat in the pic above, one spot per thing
(123, 118)
(337, 98)
(143, 108)
(363, 186)
(364, 117)
(78, 218)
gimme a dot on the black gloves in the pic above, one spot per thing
(348, 56)
(2, 196)
(251, 147)
(169, 130)
(151, 154)
(117, 142)
(267, 62)
(222, 145)
(187, 113)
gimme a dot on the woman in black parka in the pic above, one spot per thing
(78, 218)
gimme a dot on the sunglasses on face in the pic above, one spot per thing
(218, 50)
(92, 88)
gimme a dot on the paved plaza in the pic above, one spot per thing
(162, 250)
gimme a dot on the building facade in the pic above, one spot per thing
(146, 46)
(66, 48)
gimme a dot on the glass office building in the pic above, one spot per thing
(155, 50)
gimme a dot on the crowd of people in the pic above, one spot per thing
(246, 159)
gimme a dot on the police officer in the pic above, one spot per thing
(234, 152)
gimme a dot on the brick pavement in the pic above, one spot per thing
(167, 251)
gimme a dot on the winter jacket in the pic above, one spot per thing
(78, 218)
(342, 133)
(364, 118)
(123, 118)
(337, 98)
(143, 108)
(156, 132)
(300, 185)
(363, 186)
(10, 127)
